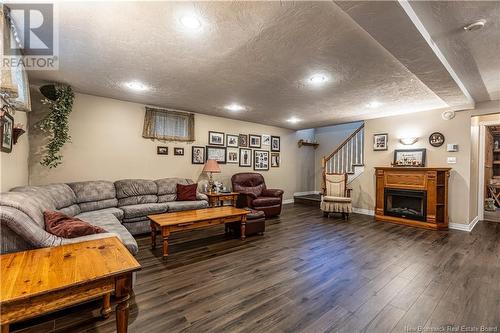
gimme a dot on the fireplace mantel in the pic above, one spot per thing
(432, 181)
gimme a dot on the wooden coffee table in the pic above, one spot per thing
(40, 281)
(194, 219)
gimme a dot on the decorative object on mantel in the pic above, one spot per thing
(408, 141)
(417, 197)
(6, 132)
(211, 166)
(436, 139)
(18, 131)
(409, 158)
(380, 141)
(56, 123)
(303, 142)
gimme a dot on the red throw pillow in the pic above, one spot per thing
(186, 192)
(64, 226)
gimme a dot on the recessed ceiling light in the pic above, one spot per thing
(293, 120)
(234, 107)
(373, 104)
(318, 79)
(137, 86)
(191, 22)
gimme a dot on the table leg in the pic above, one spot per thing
(5, 328)
(123, 287)
(153, 235)
(234, 200)
(165, 232)
(243, 226)
(106, 306)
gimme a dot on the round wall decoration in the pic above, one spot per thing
(436, 139)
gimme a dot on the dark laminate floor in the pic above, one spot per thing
(309, 274)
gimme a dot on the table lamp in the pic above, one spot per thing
(211, 166)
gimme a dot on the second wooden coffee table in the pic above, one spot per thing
(194, 219)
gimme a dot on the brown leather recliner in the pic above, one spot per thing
(254, 193)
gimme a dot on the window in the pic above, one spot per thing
(169, 125)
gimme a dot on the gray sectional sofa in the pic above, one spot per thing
(120, 207)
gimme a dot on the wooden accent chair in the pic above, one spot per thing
(336, 197)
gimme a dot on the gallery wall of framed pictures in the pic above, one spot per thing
(258, 151)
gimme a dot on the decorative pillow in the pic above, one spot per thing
(186, 192)
(64, 226)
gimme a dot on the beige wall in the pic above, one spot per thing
(420, 125)
(107, 144)
(14, 165)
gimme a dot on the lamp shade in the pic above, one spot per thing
(211, 166)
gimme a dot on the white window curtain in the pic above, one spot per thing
(163, 124)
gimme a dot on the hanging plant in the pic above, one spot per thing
(59, 99)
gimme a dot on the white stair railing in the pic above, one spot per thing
(347, 156)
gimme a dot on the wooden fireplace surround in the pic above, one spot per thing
(432, 180)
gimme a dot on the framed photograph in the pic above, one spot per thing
(243, 140)
(260, 160)
(232, 155)
(245, 157)
(162, 150)
(179, 151)
(7, 129)
(275, 143)
(436, 139)
(409, 157)
(216, 153)
(266, 140)
(232, 140)
(380, 141)
(254, 141)
(216, 138)
(197, 155)
(275, 160)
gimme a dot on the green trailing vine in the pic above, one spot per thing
(56, 124)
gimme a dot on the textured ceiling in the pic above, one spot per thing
(259, 54)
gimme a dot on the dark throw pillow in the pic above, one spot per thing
(64, 226)
(186, 192)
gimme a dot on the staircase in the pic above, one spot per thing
(348, 157)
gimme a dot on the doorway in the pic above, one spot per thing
(490, 180)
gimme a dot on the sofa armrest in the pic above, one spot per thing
(201, 196)
(272, 192)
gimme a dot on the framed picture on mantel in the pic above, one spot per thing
(409, 157)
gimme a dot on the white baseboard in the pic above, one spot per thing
(306, 193)
(363, 211)
(287, 201)
(464, 227)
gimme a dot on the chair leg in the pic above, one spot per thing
(346, 216)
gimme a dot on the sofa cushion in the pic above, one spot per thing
(65, 226)
(62, 195)
(32, 204)
(111, 224)
(167, 188)
(94, 195)
(176, 206)
(136, 191)
(266, 201)
(141, 210)
(186, 192)
(117, 212)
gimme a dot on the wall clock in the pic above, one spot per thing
(436, 139)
